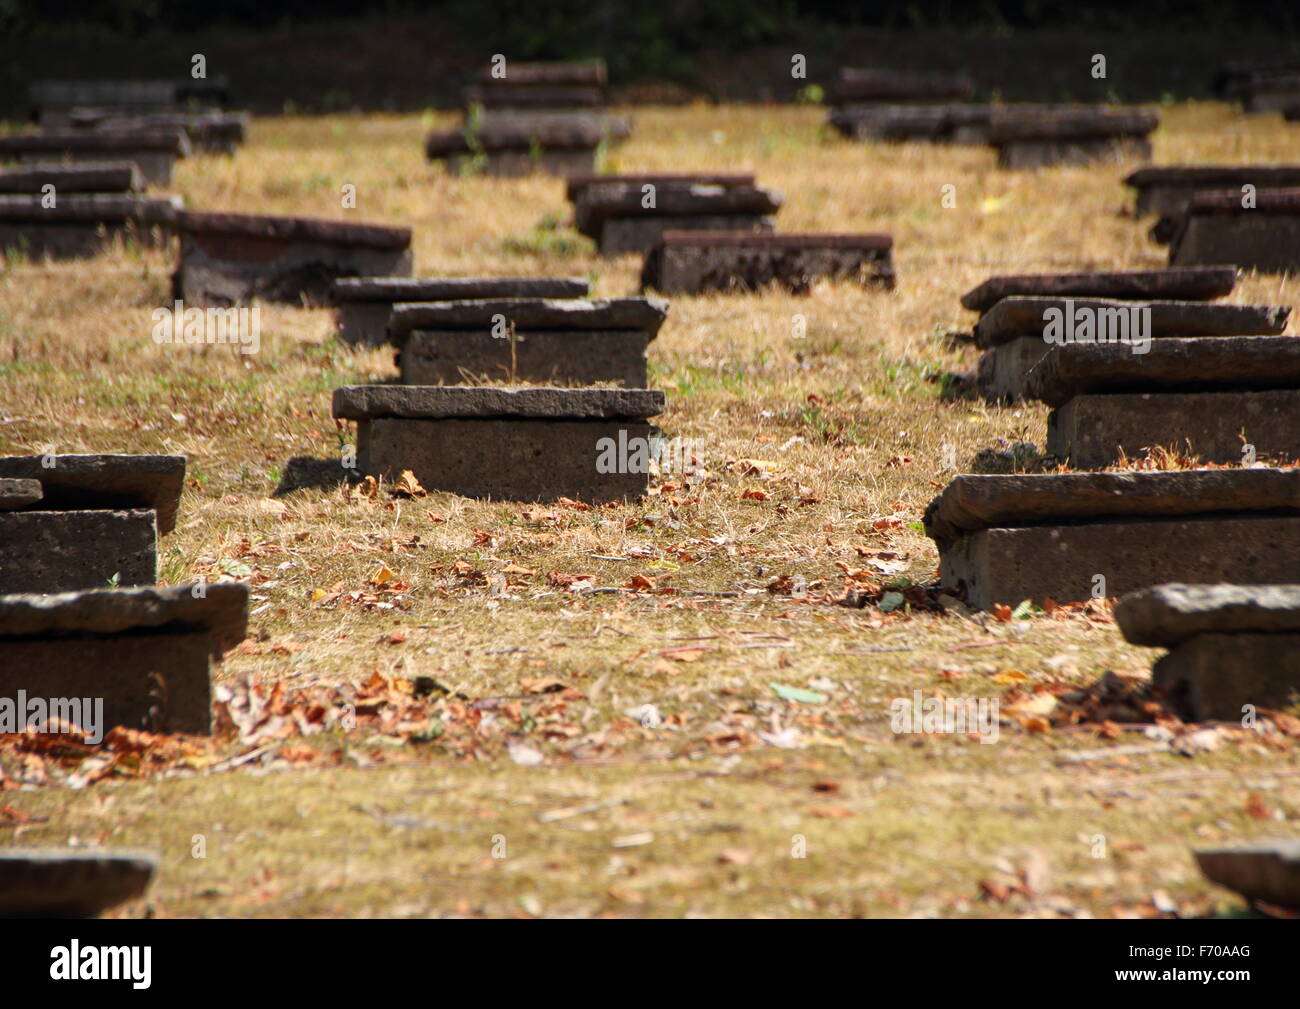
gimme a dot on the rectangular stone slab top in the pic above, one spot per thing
(80, 177)
(875, 85)
(1169, 365)
(108, 208)
(972, 502)
(172, 141)
(604, 200)
(1071, 122)
(518, 135)
(1165, 615)
(525, 314)
(1027, 316)
(576, 183)
(1181, 283)
(18, 493)
(1267, 201)
(77, 482)
(409, 289)
(1216, 176)
(759, 240)
(294, 229)
(590, 72)
(436, 402)
(221, 610)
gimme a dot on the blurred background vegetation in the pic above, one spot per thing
(327, 55)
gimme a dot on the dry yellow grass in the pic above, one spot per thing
(900, 825)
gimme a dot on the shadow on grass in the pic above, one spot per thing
(303, 472)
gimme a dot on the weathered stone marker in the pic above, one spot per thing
(1267, 872)
(82, 224)
(631, 214)
(1019, 331)
(228, 259)
(1072, 536)
(565, 342)
(516, 146)
(54, 103)
(692, 262)
(153, 151)
(513, 444)
(97, 518)
(57, 883)
(539, 85)
(1167, 190)
(945, 124)
(363, 305)
(1069, 135)
(1187, 283)
(1268, 90)
(1259, 231)
(862, 85)
(1230, 645)
(208, 132)
(86, 177)
(145, 651)
(1223, 400)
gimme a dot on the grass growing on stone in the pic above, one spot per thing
(824, 432)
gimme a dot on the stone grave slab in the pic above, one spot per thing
(568, 342)
(1229, 645)
(1217, 228)
(144, 651)
(1071, 135)
(1167, 190)
(1270, 90)
(208, 132)
(514, 444)
(945, 124)
(692, 262)
(615, 215)
(1012, 332)
(85, 177)
(545, 73)
(228, 259)
(1178, 283)
(1266, 872)
(54, 101)
(576, 183)
(97, 518)
(58, 883)
(153, 151)
(18, 493)
(1004, 539)
(84, 224)
(516, 147)
(363, 304)
(863, 85)
(534, 96)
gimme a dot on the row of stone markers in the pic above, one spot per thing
(886, 105)
(1243, 214)
(1152, 365)
(522, 118)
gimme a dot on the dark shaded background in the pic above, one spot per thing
(323, 55)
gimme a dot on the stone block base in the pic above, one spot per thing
(1043, 153)
(155, 166)
(64, 551)
(503, 458)
(1060, 561)
(1002, 369)
(640, 234)
(1213, 676)
(75, 239)
(363, 323)
(1252, 239)
(156, 681)
(1092, 431)
(543, 357)
(696, 269)
(222, 270)
(516, 164)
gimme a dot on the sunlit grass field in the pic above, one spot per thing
(527, 775)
